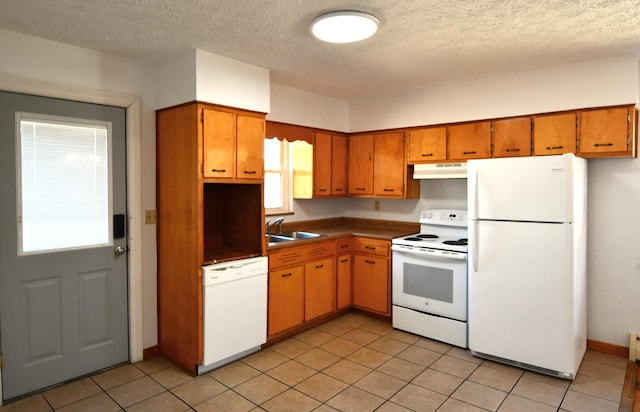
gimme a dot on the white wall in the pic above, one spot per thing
(590, 84)
(199, 75)
(289, 105)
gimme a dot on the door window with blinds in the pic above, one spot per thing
(64, 183)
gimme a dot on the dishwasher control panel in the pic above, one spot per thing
(234, 270)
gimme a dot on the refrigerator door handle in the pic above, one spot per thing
(473, 194)
(476, 247)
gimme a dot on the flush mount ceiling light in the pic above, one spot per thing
(344, 26)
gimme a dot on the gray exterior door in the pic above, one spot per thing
(63, 287)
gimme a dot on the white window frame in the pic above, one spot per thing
(285, 181)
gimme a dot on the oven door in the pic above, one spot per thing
(430, 284)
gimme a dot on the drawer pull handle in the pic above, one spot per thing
(469, 153)
(427, 154)
(250, 172)
(344, 260)
(218, 170)
(370, 247)
(319, 266)
(388, 190)
(371, 262)
(343, 246)
(603, 144)
(322, 190)
(513, 150)
(554, 147)
(339, 190)
(359, 188)
(286, 275)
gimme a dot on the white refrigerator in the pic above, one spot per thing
(527, 261)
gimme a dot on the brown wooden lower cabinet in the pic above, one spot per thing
(371, 283)
(319, 288)
(286, 299)
(344, 290)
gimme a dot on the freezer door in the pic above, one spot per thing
(537, 188)
(522, 294)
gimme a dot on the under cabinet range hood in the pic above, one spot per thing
(440, 171)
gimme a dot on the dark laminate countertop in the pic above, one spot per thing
(344, 227)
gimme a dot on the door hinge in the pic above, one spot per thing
(628, 116)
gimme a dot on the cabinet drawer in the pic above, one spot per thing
(343, 245)
(369, 246)
(295, 255)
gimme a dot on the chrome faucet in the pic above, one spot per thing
(270, 225)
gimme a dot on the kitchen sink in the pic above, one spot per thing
(300, 235)
(291, 236)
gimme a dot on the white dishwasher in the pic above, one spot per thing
(235, 310)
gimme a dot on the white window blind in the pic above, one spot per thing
(64, 196)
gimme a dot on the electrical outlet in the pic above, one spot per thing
(150, 217)
(376, 205)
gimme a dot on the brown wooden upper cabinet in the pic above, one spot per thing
(361, 165)
(377, 166)
(470, 141)
(607, 132)
(554, 134)
(233, 145)
(389, 171)
(512, 137)
(329, 165)
(427, 145)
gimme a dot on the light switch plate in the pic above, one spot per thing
(150, 217)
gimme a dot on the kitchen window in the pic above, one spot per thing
(277, 177)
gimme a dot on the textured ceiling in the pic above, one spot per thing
(420, 43)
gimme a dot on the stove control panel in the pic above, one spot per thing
(448, 217)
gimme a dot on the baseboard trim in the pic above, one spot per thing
(150, 352)
(609, 348)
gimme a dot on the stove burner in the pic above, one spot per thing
(412, 239)
(459, 242)
(427, 236)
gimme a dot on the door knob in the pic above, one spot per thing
(119, 250)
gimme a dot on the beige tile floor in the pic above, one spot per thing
(353, 363)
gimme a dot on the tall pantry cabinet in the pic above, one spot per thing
(209, 172)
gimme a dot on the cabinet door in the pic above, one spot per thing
(371, 283)
(250, 148)
(219, 153)
(319, 288)
(470, 141)
(343, 278)
(605, 130)
(389, 169)
(361, 165)
(512, 137)
(554, 134)
(426, 145)
(339, 166)
(286, 298)
(322, 165)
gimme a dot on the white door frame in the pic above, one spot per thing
(17, 84)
